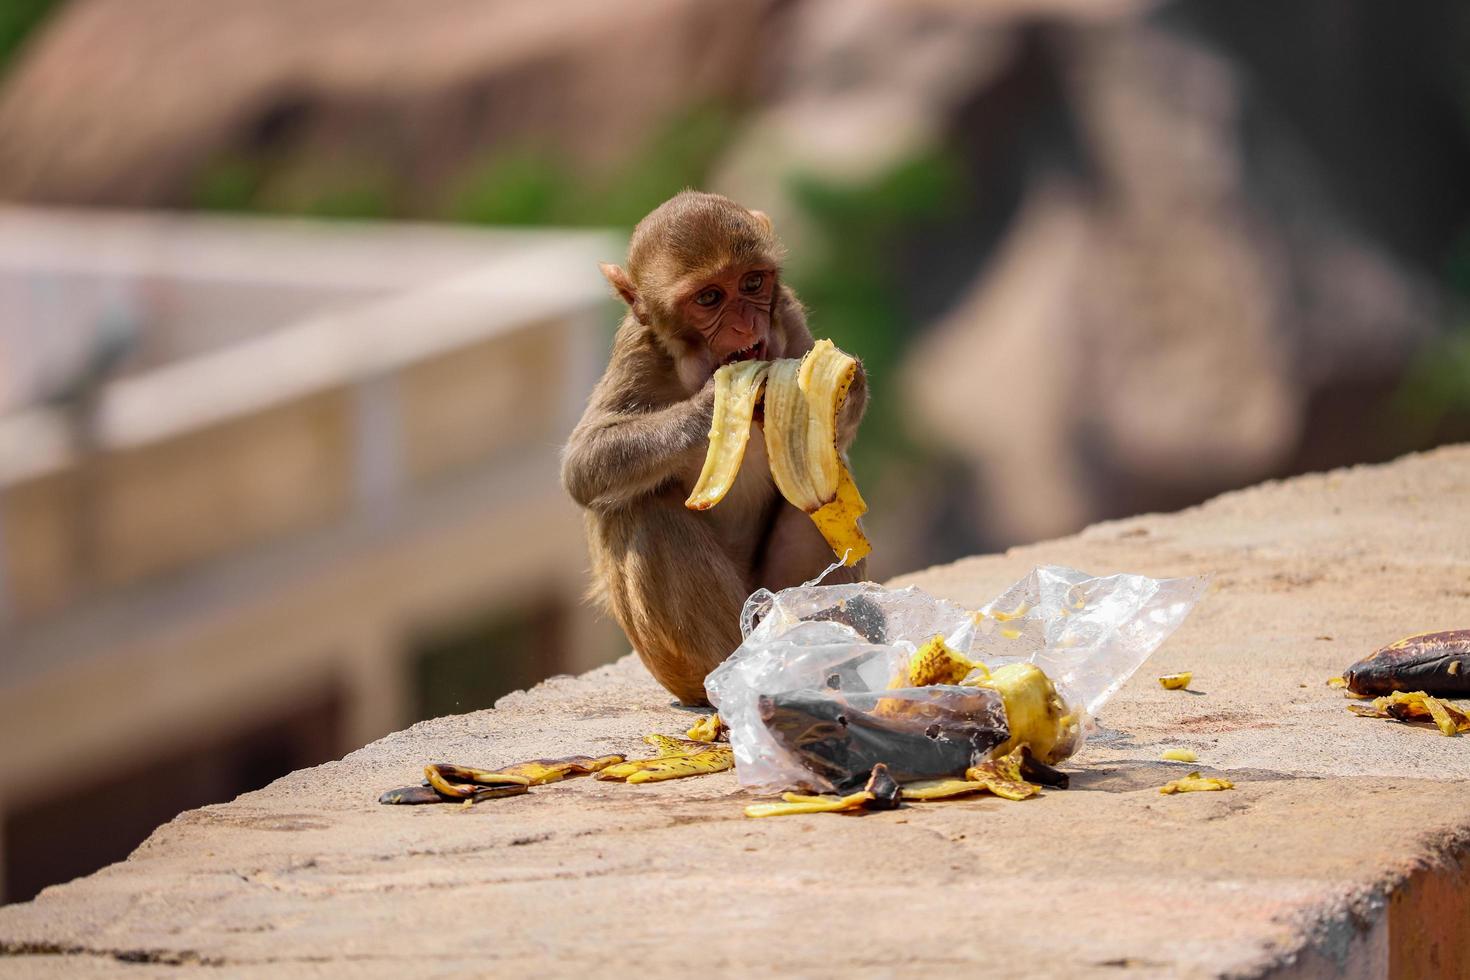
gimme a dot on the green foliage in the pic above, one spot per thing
(229, 183)
(516, 190)
(18, 19)
(532, 188)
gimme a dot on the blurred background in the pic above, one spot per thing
(298, 299)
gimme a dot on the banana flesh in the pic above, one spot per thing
(737, 391)
(802, 399)
(1195, 783)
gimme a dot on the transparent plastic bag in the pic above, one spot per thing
(801, 693)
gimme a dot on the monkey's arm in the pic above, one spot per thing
(614, 457)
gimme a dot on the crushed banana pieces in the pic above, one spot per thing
(1175, 682)
(1450, 719)
(1195, 783)
(935, 663)
(1337, 682)
(1178, 755)
(801, 399)
(707, 729)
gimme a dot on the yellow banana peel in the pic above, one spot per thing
(810, 804)
(737, 391)
(707, 729)
(935, 663)
(802, 399)
(1035, 713)
(676, 758)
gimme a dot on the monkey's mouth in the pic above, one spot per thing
(755, 352)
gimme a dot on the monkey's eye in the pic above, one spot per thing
(753, 282)
(709, 297)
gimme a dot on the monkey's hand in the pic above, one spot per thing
(618, 454)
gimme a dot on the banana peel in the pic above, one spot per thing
(1450, 719)
(935, 663)
(882, 792)
(738, 389)
(801, 401)
(1035, 713)
(707, 729)
(1176, 682)
(811, 804)
(676, 759)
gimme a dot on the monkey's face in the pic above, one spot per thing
(732, 310)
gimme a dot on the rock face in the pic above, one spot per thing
(1343, 851)
(123, 103)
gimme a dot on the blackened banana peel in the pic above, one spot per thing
(1436, 663)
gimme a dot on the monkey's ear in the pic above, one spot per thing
(620, 282)
(764, 220)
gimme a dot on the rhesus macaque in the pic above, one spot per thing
(703, 289)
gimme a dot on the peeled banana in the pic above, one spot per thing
(801, 403)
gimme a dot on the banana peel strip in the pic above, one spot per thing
(824, 377)
(810, 804)
(737, 391)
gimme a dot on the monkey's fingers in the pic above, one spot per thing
(737, 390)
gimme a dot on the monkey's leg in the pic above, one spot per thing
(680, 599)
(796, 552)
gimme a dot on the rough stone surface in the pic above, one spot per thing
(1287, 872)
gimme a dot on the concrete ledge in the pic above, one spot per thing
(1344, 850)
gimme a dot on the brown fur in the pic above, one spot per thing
(676, 579)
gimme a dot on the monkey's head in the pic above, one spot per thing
(703, 273)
